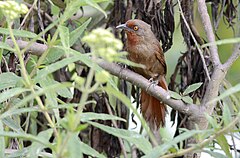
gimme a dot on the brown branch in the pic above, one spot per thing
(233, 57)
(35, 48)
(155, 90)
(134, 78)
(202, 9)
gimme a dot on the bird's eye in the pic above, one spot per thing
(135, 28)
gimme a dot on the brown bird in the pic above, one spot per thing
(145, 49)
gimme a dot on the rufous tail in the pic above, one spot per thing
(153, 110)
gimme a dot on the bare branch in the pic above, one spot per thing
(143, 83)
(35, 48)
(134, 78)
(233, 57)
(202, 9)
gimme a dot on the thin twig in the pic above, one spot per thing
(195, 41)
(116, 126)
(233, 57)
(48, 17)
(202, 9)
(29, 11)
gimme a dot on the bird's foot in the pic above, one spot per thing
(123, 67)
(152, 83)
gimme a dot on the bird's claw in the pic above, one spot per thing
(152, 83)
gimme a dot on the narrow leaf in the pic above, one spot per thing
(226, 115)
(175, 95)
(214, 154)
(222, 141)
(8, 80)
(212, 121)
(36, 148)
(96, 6)
(226, 93)
(10, 93)
(88, 116)
(223, 41)
(76, 148)
(192, 88)
(19, 33)
(131, 136)
(162, 149)
(2, 141)
(187, 99)
(6, 47)
(26, 137)
(55, 66)
(75, 34)
(8, 121)
(64, 36)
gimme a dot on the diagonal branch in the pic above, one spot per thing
(233, 57)
(143, 83)
(202, 9)
(134, 78)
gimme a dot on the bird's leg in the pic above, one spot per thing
(153, 81)
(122, 68)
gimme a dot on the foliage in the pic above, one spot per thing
(39, 116)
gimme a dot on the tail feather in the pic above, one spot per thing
(153, 110)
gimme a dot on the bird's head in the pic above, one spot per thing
(136, 28)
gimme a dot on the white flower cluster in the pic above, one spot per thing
(12, 9)
(103, 43)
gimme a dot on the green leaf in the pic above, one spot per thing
(18, 153)
(131, 136)
(187, 99)
(227, 119)
(75, 34)
(8, 121)
(40, 92)
(64, 36)
(192, 88)
(75, 5)
(2, 141)
(226, 93)
(96, 6)
(18, 33)
(76, 148)
(8, 80)
(36, 147)
(26, 137)
(223, 41)
(6, 47)
(10, 93)
(214, 154)
(212, 121)
(88, 116)
(175, 95)
(55, 66)
(222, 141)
(86, 149)
(51, 95)
(162, 149)
(54, 54)
(14, 111)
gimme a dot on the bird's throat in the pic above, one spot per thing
(132, 38)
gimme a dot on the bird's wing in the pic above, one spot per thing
(160, 57)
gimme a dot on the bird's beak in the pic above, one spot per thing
(122, 26)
